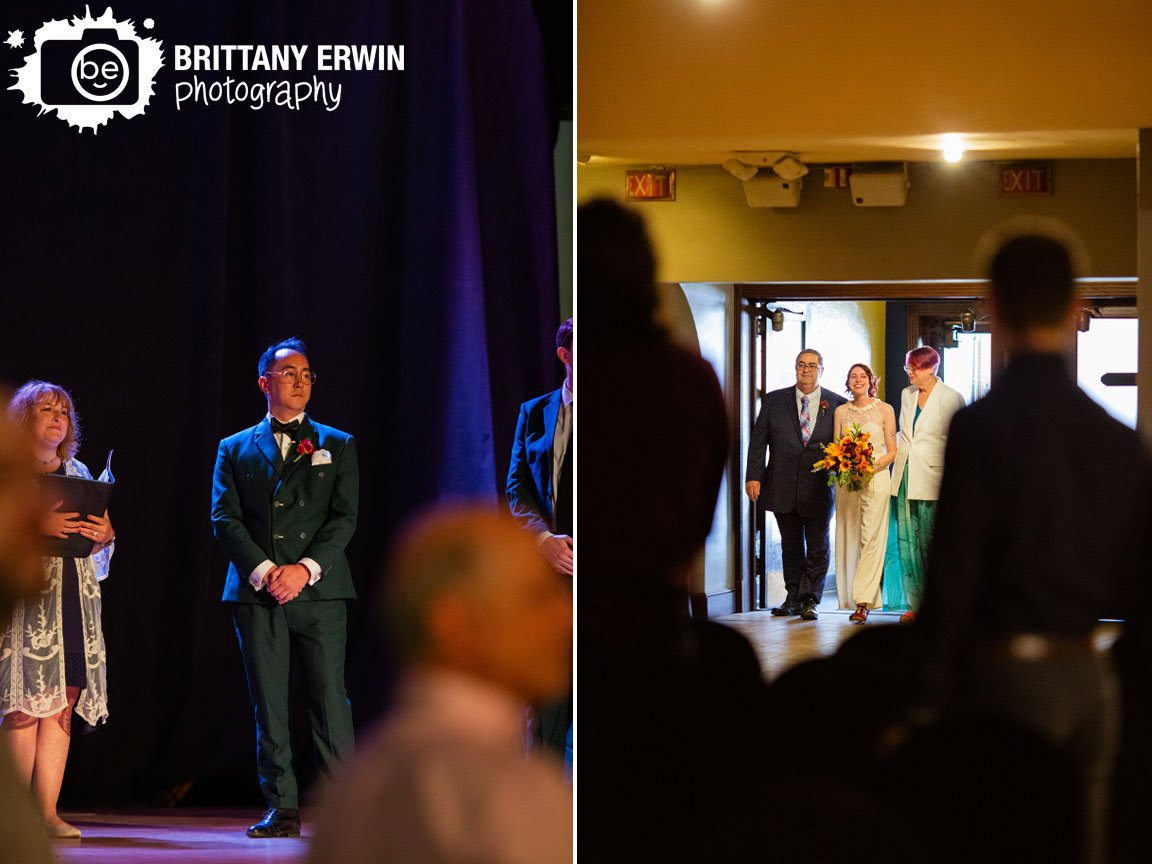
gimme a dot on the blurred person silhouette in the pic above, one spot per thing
(1040, 536)
(22, 836)
(52, 657)
(977, 788)
(484, 625)
(658, 692)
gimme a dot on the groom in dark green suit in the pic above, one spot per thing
(284, 501)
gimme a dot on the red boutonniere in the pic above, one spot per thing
(823, 407)
(305, 448)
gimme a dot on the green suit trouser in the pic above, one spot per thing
(314, 635)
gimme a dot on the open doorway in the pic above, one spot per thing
(773, 330)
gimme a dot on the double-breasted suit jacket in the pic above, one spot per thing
(282, 510)
(787, 482)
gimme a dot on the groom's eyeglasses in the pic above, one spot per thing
(307, 376)
(807, 365)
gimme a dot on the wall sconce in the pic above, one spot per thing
(968, 321)
(776, 316)
(1084, 321)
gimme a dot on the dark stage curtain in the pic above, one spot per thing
(408, 236)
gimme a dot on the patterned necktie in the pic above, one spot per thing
(805, 420)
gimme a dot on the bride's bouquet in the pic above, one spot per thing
(849, 460)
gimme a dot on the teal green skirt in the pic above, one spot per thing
(914, 520)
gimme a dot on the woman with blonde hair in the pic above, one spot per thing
(52, 649)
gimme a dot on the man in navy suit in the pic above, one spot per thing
(794, 424)
(539, 491)
(284, 503)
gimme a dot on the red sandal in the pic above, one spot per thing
(860, 615)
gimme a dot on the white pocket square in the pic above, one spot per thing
(321, 457)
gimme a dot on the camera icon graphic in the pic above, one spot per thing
(100, 68)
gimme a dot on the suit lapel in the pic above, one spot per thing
(930, 405)
(292, 463)
(265, 442)
(794, 413)
(821, 419)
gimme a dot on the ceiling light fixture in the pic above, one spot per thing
(953, 148)
(739, 170)
(790, 168)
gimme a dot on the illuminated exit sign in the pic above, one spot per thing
(1024, 179)
(653, 184)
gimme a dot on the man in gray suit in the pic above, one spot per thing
(794, 424)
(284, 503)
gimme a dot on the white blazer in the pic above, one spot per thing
(922, 450)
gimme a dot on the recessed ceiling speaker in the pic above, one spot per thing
(772, 191)
(879, 184)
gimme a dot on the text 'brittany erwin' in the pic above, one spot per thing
(288, 58)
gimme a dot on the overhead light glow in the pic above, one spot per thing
(953, 148)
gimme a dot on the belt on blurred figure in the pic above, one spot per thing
(1038, 646)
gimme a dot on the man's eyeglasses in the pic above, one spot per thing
(307, 376)
(808, 366)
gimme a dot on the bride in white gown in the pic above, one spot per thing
(862, 517)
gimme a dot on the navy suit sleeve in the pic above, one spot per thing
(758, 444)
(227, 519)
(523, 500)
(328, 544)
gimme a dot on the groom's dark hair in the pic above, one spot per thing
(268, 358)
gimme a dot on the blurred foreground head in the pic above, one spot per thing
(616, 267)
(20, 571)
(653, 444)
(468, 592)
(1032, 264)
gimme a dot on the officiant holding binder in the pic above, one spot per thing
(52, 648)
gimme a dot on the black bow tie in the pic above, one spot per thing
(285, 428)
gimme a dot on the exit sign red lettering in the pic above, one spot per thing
(650, 185)
(1024, 179)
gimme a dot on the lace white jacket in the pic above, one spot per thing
(32, 645)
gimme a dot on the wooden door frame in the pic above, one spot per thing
(962, 292)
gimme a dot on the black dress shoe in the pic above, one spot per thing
(788, 607)
(808, 613)
(277, 822)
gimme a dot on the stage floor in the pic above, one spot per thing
(173, 835)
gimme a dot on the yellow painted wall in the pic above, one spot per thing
(710, 234)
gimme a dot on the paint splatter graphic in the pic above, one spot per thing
(15, 39)
(108, 70)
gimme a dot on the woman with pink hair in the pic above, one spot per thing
(926, 409)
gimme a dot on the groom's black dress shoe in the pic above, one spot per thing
(277, 822)
(789, 607)
(808, 613)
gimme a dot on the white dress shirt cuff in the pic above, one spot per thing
(542, 536)
(314, 570)
(256, 577)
